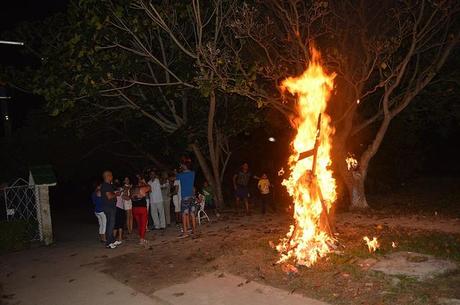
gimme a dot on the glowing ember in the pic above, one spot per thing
(352, 163)
(373, 244)
(310, 183)
(281, 172)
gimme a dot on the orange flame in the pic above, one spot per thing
(352, 163)
(308, 240)
(373, 244)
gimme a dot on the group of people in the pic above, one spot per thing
(119, 206)
(241, 181)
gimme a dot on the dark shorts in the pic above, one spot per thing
(187, 206)
(120, 218)
(242, 192)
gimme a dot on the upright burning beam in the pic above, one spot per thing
(310, 184)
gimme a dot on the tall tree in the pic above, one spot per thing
(133, 60)
(384, 52)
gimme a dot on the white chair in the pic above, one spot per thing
(201, 213)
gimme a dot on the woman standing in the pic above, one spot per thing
(139, 203)
(101, 219)
(120, 218)
(126, 195)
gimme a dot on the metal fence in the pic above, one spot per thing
(19, 203)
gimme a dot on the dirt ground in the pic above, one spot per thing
(421, 216)
(240, 245)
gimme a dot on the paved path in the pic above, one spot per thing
(227, 289)
(70, 274)
(64, 275)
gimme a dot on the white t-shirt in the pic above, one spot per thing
(155, 193)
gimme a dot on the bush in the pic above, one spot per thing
(13, 235)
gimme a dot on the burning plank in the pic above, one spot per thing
(310, 184)
(373, 244)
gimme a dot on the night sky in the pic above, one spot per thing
(440, 157)
(12, 14)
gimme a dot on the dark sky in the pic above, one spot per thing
(14, 12)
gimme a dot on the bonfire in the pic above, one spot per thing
(311, 183)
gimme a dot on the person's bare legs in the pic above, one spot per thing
(102, 237)
(192, 215)
(129, 220)
(178, 217)
(185, 223)
(246, 203)
(237, 205)
(119, 234)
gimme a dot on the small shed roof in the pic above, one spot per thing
(42, 175)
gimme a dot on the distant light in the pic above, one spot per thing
(271, 139)
(7, 118)
(17, 43)
(358, 101)
(5, 97)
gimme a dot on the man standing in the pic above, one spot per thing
(109, 200)
(241, 186)
(187, 181)
(157, 210)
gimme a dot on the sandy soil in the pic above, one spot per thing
(240, 245)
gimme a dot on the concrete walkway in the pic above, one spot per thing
(227, 289)
(70, 274)
(64, 275)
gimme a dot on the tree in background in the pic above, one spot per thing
(122, 61)
(185, 67)
(384, 52)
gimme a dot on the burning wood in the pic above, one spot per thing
(281, 172)
(352, 163)
(373, 244)
(289, 269)
(310, 183)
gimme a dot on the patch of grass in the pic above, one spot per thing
(437, 244)
(13, 235)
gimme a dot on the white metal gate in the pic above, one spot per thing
(19, 203)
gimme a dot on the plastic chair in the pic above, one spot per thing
(201, 213)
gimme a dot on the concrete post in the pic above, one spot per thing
(45, 215)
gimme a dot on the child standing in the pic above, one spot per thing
(208, 195)
(264, 187)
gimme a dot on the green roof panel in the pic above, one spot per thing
(43, 174)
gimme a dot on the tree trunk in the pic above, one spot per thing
(211, 171)
(208, 174)
(357, 192)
